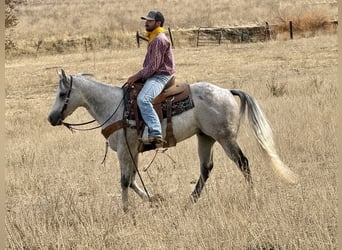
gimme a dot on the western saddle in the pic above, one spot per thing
(173, 100)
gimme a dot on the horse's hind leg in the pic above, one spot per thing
(205, 152)
(234, 152)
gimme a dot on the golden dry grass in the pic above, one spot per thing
(59, 196)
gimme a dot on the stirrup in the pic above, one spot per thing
(153, 139)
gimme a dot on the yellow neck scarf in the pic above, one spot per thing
(151, 35)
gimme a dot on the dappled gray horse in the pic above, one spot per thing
(215, 117)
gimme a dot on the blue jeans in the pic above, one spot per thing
(152, 87)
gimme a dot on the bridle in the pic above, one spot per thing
(66, 101)
(72, 126)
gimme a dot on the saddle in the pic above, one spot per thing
(173, 100)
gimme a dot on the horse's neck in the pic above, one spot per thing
(101, 100)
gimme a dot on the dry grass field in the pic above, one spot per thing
(55, 18)
(59, 196)
(60, 25)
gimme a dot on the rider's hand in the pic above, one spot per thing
(132, 79)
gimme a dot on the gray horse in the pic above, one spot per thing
(216, 116)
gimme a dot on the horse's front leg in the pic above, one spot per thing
(128, 172)
(125, 183)
(140, 192)
(129, 167)
(128, 157)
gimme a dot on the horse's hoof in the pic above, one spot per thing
(125, 210)
(194, 198)
(253, 195)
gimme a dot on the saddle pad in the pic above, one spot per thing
(181, 102)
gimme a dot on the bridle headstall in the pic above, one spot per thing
(71, 126)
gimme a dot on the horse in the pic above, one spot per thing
(215, 117)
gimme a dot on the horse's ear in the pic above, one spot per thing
(61, 74)
(63, 79)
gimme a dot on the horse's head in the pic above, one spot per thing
(65, 102)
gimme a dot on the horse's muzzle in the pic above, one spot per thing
(55, 119)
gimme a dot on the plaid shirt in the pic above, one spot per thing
(158, 59)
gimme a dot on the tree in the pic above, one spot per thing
(11, 19)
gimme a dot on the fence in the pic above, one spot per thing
(217, 35)
(200, 36)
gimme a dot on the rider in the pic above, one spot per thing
(157, 70)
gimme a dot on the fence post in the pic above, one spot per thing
(171, 37)
(85, 44)
(291, 30)
(137, 37)
(38, 44)
(220, 37)
(267, 32)
(198, 34)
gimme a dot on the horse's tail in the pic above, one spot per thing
(263, 133)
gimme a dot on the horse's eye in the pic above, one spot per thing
(62, 95)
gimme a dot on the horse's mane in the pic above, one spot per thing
(85, 74)
(90, 76)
